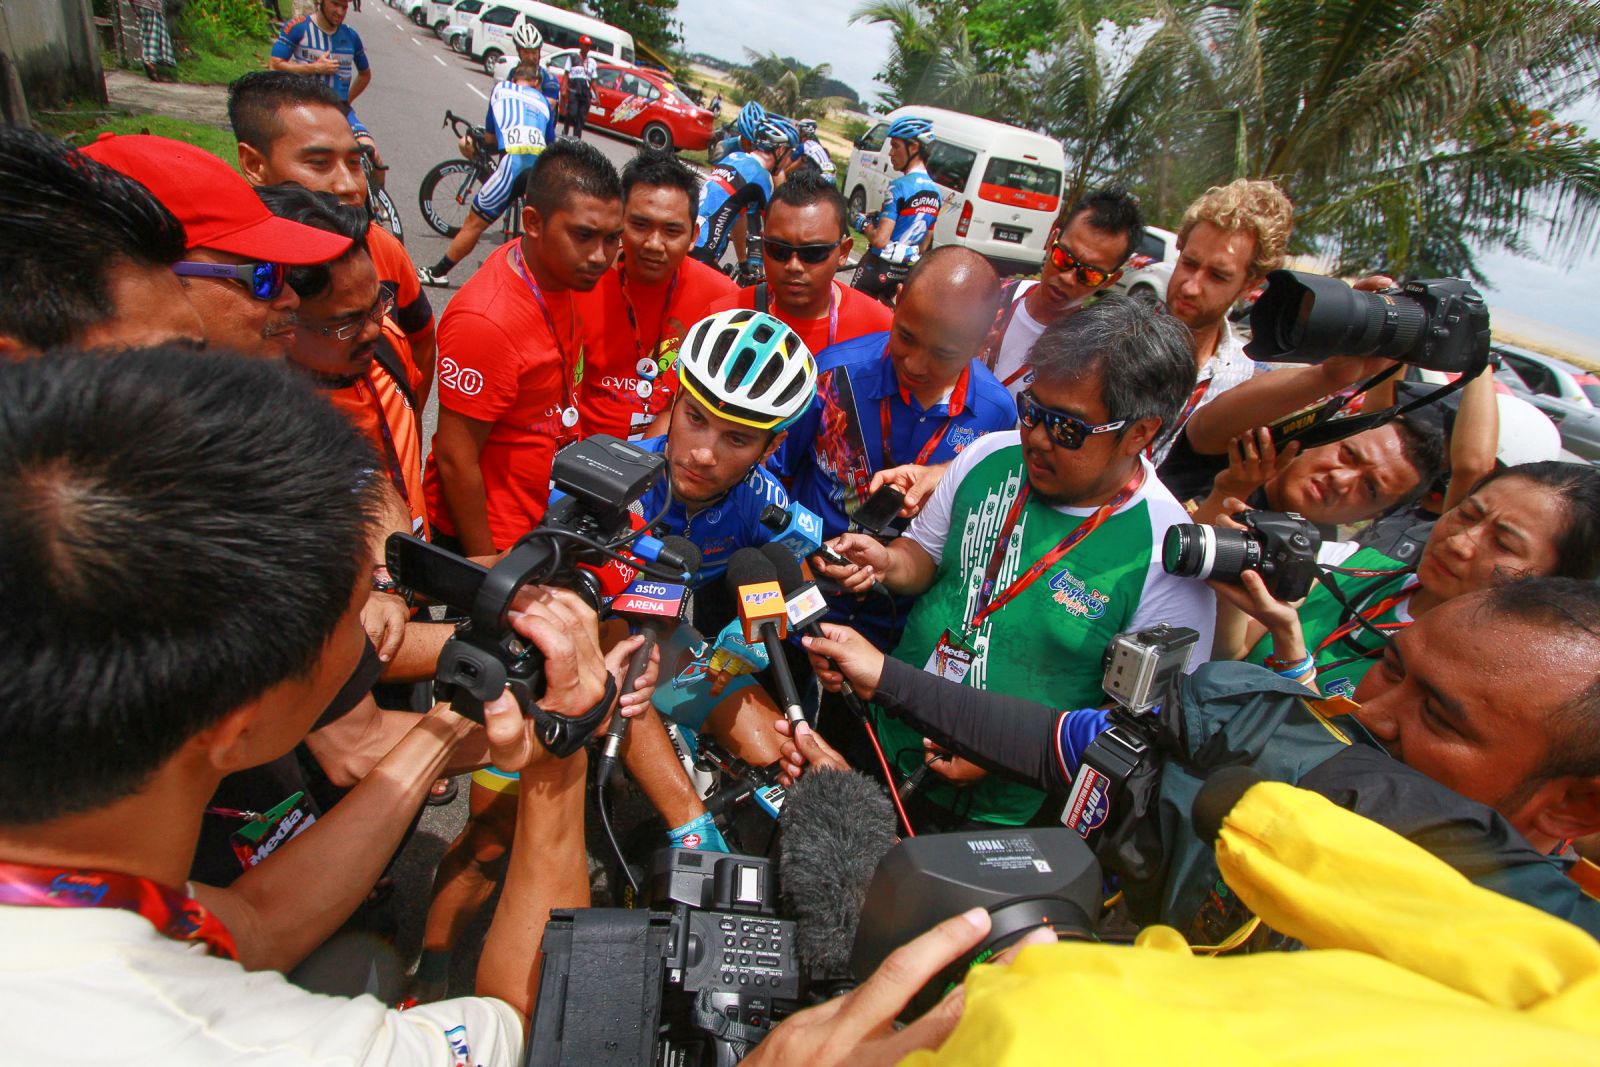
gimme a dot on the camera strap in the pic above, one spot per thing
(1319, 426)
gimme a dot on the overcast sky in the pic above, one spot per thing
(819, 31)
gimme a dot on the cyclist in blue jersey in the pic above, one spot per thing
(529, 43)
(735, 195)
(903, 228)
(744, 127)
(322, 46)
(522, 123)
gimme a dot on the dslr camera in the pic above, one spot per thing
(1438, 323)
(1279, 545)
(586, 529)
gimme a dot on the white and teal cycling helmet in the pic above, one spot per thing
(751, 116)
(527, 35)
(912, 128)
(749, 368)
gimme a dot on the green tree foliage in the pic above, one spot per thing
(933, 59)
(650, 21)
(785, 85)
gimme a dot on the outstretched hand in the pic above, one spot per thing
(915, 482)
(853, 659)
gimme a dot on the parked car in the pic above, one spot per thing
(1002, 184)
(1567, 394)
(442, 16)
(492, 29)
(646, 104)
(556, 62)
(415, 10)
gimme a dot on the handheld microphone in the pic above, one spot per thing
(806, 607)
(764, 614)
(796, 527)
(655, 606)
(836, 827)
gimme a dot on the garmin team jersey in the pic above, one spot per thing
(738, 184)
(913, 203)
(521, 118)
(303, 41)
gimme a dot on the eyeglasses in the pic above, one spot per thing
(347, 330)
(1066, 430)
(264, 281)
(782, 251)
(1064, 261)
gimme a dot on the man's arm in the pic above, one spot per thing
(362, 79)
(351, 747)
(424, 347)
(1268, 397)
(457, 444)
(1474, 439)
(903, 566)
(418, 654)
(283, 908)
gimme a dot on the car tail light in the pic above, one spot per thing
(965, 220)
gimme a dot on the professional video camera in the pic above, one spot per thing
(699, 978)
(579, 545)
(1279, 545)
(1440, 324)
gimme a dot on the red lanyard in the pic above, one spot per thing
(1195, 397)
(633, 322)
(833, 313)
(1376, 610)
(569, 410)
(171, 913)
(997, 555)
(928, 448)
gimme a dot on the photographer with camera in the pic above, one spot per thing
(1039, 545)
(126, 709)
(1487, 702)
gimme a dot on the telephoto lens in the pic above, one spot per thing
(1191, 550)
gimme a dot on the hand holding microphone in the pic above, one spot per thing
(806, 607)
(763, 613)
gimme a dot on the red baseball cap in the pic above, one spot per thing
(218, 208)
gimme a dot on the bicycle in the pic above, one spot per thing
(459, 179)
(383, 209)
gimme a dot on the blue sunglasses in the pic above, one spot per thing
(264, 281)
(1065, 429)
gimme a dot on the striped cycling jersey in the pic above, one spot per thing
(521, 118)
(303, 41)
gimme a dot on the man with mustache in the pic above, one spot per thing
(511, 356)
(239, 253)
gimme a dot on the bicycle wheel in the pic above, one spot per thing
(383, 210)
(446, 195)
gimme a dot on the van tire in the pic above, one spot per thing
(491, 57)
(858, 201)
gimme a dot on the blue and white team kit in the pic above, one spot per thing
(739, 184)
(303, 41)
(524, 122)
(913, 203)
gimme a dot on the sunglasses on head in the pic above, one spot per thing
(264, 281)
(781, 251)
(1065, 261)
(1064, 429)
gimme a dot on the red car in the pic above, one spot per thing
(646, 104)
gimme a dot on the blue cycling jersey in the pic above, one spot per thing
(721, 529)
(521, 118)
(303, 41)
(739, 184)
(913, 203)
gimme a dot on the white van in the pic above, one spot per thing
(1002, 184)
(491, 33)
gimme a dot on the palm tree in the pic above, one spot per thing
(1407, 132)
(932, 59)
(785, 85)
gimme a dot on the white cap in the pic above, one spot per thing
(1526, 434)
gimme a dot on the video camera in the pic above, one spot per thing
(588, 525)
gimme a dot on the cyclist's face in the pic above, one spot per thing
(899, 154)
(234, 319)
(334, 10)
(150, 306)
(348, 301)
(657, 230)
(578, 243)
(708, 454)
(799, 287)
(315, 148)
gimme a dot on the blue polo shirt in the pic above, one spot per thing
(836, 447)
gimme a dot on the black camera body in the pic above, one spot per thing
(1438, 323)
(1280, 545)
(700, 978)
(596, 481)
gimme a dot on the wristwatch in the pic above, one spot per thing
(383, 582)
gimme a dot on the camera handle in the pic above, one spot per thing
(1127, 744)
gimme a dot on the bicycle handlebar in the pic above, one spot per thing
(455, 122)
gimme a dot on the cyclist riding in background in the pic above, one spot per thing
(321, 45)
(813, 147)
(744, 127)
(521, 123)
(529, 43)
(735, 195)
(903, 228)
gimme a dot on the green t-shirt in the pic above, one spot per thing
(1048, 643)
(1342, 665)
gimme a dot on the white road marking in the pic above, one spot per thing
(475, 89)
(418, 43)
(439, 61)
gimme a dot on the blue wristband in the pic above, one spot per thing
(701, 833)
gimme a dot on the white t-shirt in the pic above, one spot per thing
(1021, 332)
(101, 986)
(1227, 367)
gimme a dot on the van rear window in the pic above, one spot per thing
(950, 165)
(1019, 184)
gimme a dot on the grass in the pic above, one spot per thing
(82, 126)
(203, 67)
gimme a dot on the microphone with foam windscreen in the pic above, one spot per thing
(763, 614)
(655, 607)
(806, 606)
(835, 827)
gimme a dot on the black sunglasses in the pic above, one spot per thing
(781, 251)
(1065, 429)
(264, 281)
